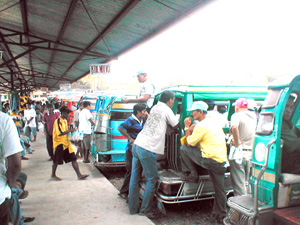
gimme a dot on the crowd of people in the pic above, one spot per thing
(23, 126)
(204, 145)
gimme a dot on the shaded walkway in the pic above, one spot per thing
(70, 201)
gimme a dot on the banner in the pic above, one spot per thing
(99, 69)
(65, 86)
(44, 89)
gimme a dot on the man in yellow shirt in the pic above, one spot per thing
(63, 149)
(205, 146)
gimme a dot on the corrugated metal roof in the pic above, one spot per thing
(46, 43)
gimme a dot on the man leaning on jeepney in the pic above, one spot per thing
(149, 142)
(290, 160)
(205, 146)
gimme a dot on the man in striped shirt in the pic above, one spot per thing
(130, 129)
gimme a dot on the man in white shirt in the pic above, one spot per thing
(10, 149)
(85, 121)
(146, 93)
(78, 143)
(30, 126)
(243, 125)
(149, 142)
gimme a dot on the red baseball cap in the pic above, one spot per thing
(241, 103)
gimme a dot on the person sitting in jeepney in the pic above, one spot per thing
(290, 160)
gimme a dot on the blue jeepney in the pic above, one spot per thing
(108, 144)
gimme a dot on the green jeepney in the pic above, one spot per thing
(275, 197)
(171, 189)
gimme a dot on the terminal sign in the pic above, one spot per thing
(98, 69)
(65, 86)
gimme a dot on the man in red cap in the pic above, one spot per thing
(243, 125)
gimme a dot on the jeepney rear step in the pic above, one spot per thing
(242, 211)
(290, 215)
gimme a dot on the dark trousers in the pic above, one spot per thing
(4, 213)
(128, 160)
(192, 156)
(49, 142)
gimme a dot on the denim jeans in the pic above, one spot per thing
(192, 156)
(143, 160)
(14, 207)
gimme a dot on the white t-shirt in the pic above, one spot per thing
(9, 145)
(147, 89)
(76, 116)
(246, 123)
(28, 113)
(218, 118)
(152, 137)
(84, 123)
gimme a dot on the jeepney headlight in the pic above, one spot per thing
(260, 152)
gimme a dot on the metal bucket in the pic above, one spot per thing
(101, 142)
(102, 123)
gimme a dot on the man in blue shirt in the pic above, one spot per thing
(130, 129)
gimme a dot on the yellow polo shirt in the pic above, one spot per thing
(210, 138)
(61, 125)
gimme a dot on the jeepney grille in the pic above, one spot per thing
(172, 146)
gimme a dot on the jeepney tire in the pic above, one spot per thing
(160, 206)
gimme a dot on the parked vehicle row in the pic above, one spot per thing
(274, 194)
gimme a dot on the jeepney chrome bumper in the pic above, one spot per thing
(171, 189)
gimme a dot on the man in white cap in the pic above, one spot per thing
(147, 90)
(205, 146)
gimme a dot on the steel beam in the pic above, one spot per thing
(109, 27)
(62, 31)
(16, 57)
(48, 43)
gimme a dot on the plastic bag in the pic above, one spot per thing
(236, 153)
(77, 136)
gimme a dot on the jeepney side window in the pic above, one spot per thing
(178, 104)
(272, 98)
(265, 124)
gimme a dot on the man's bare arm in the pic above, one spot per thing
(125, 134)
(13, 169)
(137, 100)
(236, 136)
(92, 121)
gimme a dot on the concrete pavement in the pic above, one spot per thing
(71, 201)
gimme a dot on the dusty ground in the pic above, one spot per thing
(177, 214)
